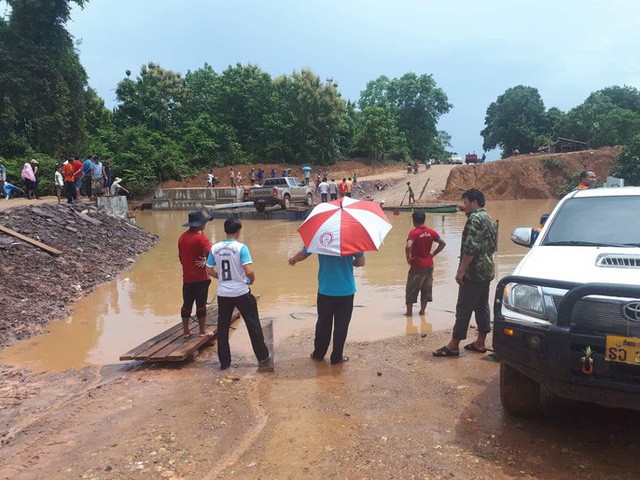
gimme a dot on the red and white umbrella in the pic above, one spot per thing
(344, 227)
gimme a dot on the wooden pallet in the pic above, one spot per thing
(172, 346)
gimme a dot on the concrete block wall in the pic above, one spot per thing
(194, 198)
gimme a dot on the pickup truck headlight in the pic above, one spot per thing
(530, 300)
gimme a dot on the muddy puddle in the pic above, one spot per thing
(145, 300)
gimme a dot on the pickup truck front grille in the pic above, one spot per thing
(598, 316)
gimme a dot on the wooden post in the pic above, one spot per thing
(424, 188)
(267, 330)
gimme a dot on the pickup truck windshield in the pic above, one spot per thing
(596, 221)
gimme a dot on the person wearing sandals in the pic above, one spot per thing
(336, 290)
(475, 272)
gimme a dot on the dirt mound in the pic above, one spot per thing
(37, 287)
(536, 176)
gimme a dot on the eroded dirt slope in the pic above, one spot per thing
(528, 176)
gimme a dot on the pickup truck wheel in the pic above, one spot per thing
(518, 393)
(259, 206)
(286, 202)
(309, 200)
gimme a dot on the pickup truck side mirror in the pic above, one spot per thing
(524, 236)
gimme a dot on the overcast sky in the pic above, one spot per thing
(475, 50)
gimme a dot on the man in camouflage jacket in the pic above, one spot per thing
(475, 272)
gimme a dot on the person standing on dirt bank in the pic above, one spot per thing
(230, 262)
(475, 272)
(193, 248)
(323, 188)
(68, 172)
(87, 166)
(342, 187)
(349, 187)
(420, 260)
(333, 190)
(587, 180)
(58, 181)
(336, 290)
(412, 197)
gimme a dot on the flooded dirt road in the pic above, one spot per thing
(392, 411)
(145, 300)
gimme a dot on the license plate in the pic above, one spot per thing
(623, 350)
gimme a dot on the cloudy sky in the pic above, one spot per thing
(475, 50)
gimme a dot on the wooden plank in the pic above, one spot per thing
(164, 348)
(131, 354)
(175, 337)
(50, 250)
(181, 348)
(160, 340)
(188, 347)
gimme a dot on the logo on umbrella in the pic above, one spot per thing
(326, 238)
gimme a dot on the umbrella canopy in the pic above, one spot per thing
(344, 227)
(307, 168)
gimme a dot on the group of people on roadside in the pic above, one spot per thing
(91, 178)
(229, 262)
(74, 178)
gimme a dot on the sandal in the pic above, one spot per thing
(445, 352)
(342, 360)
(472, 347)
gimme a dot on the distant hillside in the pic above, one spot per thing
(528, 176)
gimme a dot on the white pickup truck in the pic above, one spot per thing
(280, 191)
(567, 322)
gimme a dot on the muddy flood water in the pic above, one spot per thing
(145, 300)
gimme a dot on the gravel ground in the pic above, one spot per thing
(38, 287)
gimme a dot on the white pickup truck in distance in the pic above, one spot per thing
(281, 191)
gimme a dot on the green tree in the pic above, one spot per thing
(309, 123)
(145, 158)
(417, 103)
(206, 144)
(514, 121)
(154, 100)
(202, 88)
(627, 98)
(615, 127)
(629, 162)
(243, 98)
(42, 83)
(377, 135)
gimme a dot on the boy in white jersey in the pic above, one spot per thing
(230, 262)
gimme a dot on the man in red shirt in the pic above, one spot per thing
(420, 260)
(77, 166)
(342, 187)
(193, 248)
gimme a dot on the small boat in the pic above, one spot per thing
(434, 208)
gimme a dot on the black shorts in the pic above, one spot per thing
(195, 292)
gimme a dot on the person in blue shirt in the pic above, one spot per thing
(87, 165)
(336, 290)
